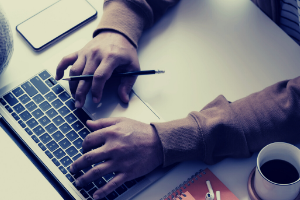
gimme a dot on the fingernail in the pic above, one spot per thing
(96, 197)
(77, 104)
(72, 169)
(95, 99)
(77, 182)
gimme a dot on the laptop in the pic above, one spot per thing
(41, 112)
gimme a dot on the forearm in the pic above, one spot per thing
(131, 17)
(237, 129)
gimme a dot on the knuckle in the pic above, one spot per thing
(94, 51)
(74, 71)
(97, 172)
(88, 158)
(101, 75)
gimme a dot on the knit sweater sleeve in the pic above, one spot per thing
(131, 17)
(223, 129)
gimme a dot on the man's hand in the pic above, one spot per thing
(107, 52)
(129, 148)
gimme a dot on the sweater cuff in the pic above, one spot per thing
(181, 140)
(121, 17)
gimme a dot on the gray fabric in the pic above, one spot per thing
(6, 42)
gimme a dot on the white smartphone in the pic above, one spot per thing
(55, 22)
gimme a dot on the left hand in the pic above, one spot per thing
(130, 149)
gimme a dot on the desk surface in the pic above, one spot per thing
(207, 48)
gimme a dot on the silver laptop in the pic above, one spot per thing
(41, 112)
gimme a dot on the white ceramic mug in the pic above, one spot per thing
(269, 190)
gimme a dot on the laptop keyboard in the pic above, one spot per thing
(48, 114)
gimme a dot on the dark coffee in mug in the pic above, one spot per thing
(279, 171)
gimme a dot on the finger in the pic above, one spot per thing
(84, 85)
(88, 159)
(113, 184)
(125, 88)
(76, 70)
(94, 140)
(64, 64)
(102, 73)
(102, 123)
(95, 173)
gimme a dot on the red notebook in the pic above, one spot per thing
(195, 188)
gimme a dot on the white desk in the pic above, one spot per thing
(207, 48)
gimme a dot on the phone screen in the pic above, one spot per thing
(55, 21)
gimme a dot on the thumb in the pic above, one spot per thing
(125, 88)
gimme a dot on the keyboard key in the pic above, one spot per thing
(48, 83)
(37, 113)
(57, 104)
(31, 106)
(50, 96)
(58, 120)
(35, 139)
(15, 116)
(109, 176)
(83, 133)
(59, 153)
(84, 194)
(42, 146)
(120, 190)
(29, 89)
(57, 89)
(40, 85)
(25, 115)
(81, 115)
(28, 131)
(64, 111)
(38, 130)
(70, 178)
(70, 118)
(89, 187)
(44, 121)
(57, 136)
(18, 108)
(62, 169)
(65, 128)
(66, 161)
(51, 113)
(112, 196)
(32, 123)
(55, 162)
(24, 99)
(49, 154)
(51, 128)
(52, 146)
(64, 143)
(45, 138)
(22, 124)
(76, 157)
(45, 106)
(78, 143)
(71, 104)
(10, 99)
(38, 99)
(129, 184)
(100, 182)
(77, 126)
(18, 91)
(9, 109)
(64, 96)
(72, 151)
(52, 80)
(44, 75)
(72, 136)
(2, 102)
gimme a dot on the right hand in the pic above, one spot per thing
(106, 52)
